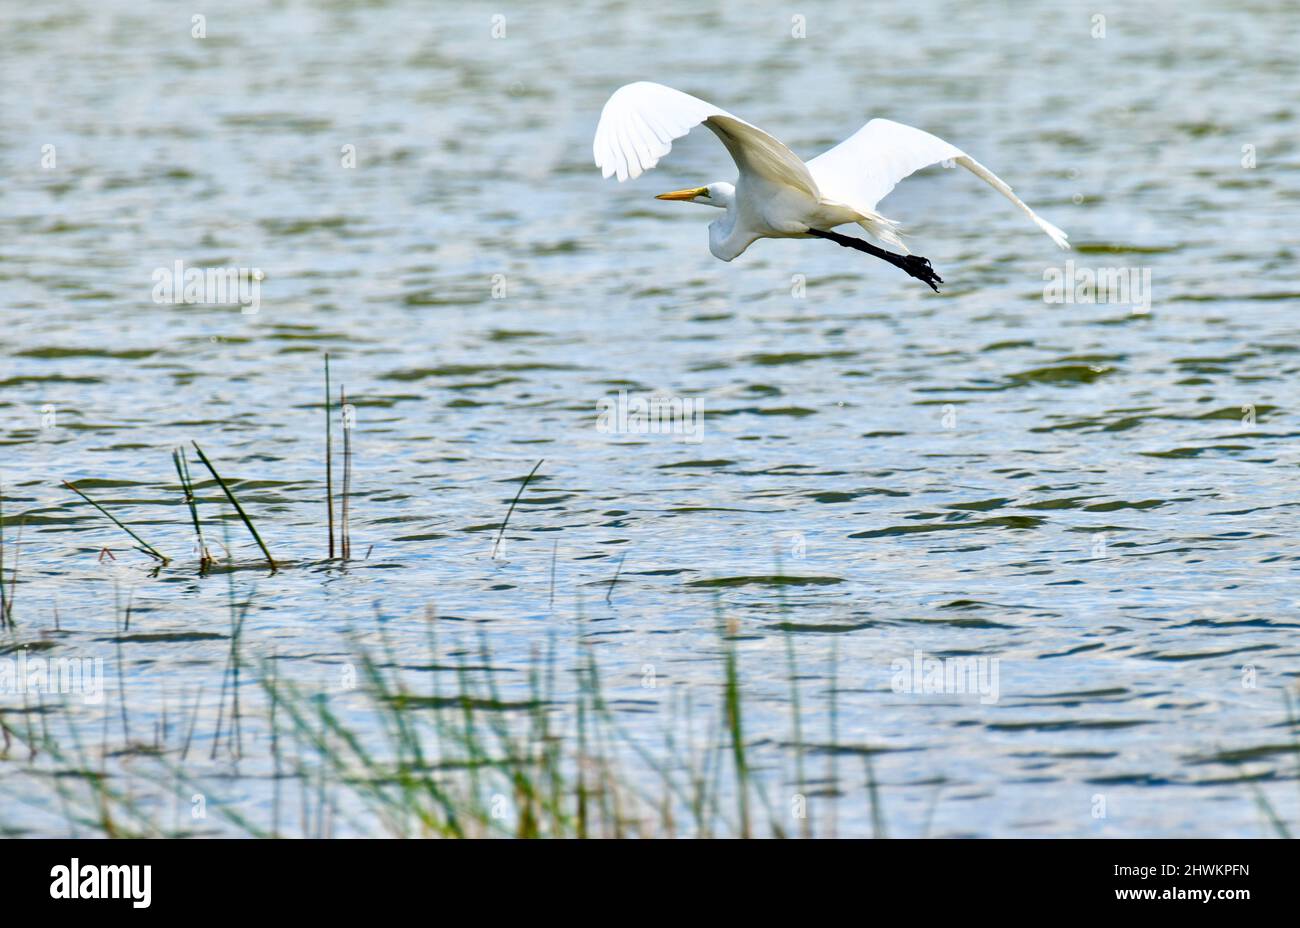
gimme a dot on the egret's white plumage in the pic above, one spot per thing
(776, 194)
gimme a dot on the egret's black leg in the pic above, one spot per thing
(914, 265)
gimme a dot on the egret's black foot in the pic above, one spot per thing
(914, 265)
(919, 268)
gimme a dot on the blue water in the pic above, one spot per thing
(1101, 501)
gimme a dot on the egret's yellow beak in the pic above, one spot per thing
(690, 193)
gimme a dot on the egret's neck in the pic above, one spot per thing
(726, 237)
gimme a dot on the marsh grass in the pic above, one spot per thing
(1266, 808)
(329, 461)
(735, 725)
(141, 544)
(7, 596)
(230, 677)
(187, 487)
(338, 530)
(406, 747)
(207, 562)
(234, 501)
(379, 754)
(345, 530)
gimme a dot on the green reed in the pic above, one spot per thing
(7, 598)
(243, 515)
(142, 545)
(513, 503)
(460, 762)
(345, 530)
(187, 488)
(329, 460)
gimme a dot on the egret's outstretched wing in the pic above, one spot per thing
(865, 167)
(640, 121)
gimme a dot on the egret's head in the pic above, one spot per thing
(718, 194)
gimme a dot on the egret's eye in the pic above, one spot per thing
(705, 193)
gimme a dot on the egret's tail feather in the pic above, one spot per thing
(886, 230)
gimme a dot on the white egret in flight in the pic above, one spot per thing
(776, 194)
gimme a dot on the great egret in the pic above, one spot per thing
(777, 195)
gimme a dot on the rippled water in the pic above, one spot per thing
(1101, 501)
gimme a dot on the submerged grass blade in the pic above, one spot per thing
(735, 727)
(235, 502)
(555, 551)
(5, 617)
(617, 573)
(7, 599)
(1267, 810)
(873, 793)
(144, 545)
(13, 579)
(833, 775)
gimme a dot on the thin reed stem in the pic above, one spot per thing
(187, 487)
(511, 511)
(345, 530)
(143, 545)
(329, 459)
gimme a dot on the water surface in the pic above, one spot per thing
(1101, 501)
